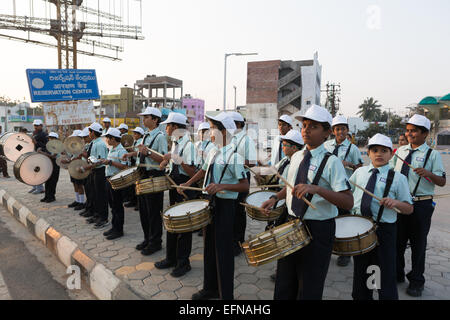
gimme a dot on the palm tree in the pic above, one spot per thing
(370, 110)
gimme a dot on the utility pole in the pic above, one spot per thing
(333, 92)
(389, 117)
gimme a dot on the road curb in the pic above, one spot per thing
(102, 282)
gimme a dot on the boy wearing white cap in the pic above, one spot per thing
(350, 155)
(224, 178)
(107, 124)
(284, 126)
(40, 139)
(50, 184)
(392, 188)
(150, 205)
(301, 275)
(123, 128)
(428, 172)
(204, 145)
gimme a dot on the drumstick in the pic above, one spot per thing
(191, 188)
(269, 186)
(173, 182)
(256, 174)
(251, 206)
(290, 186)
(411, 167)
(372, 195)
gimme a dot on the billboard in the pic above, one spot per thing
(67, 113)
(47, 85)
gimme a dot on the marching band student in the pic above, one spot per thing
(115, 197)
(246, 147)
(50, 184)
(107, 124)
(77, 202)
(301, 275)
(428, 172)
(150, 205)
(183, 165)
(100, 200)
(138, 134)
(351, 158)
(87, 183)
(284, 126)
(123, 128)
(223, 172)
(40, 139)
(392, 187)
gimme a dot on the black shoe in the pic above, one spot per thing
(414, 291)
(205, 295)
(164, 264)
(91, 219)
(129, 204)
(148, 250)
(50, 200)
(114, 235)
(80, 207)
(142, 245)
(343, 261)
(107, 233)
(44, 200)
(273, 277)
(136, 209)
(87, 214)
(180, 271)
(73, 204)
(100, 224)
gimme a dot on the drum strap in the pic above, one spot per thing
(424, 164)
(280, 170)
(316, 180)
(390, 179)
(348, 151)
(142, 157)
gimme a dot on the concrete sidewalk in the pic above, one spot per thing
(116, 270)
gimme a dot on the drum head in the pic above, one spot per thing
(183, 208)
(35, 169)
(257, 198)
(123, 173)
(15, 144)
(55, 146)
(351, 226)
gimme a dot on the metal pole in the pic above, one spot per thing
(225, 84)
(234, 98)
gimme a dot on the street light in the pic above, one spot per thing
(225, 74)
(234, 98)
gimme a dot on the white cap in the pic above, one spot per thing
(75, 133)
(294, 136)
(37, 122)
(339, 120)
(96, 127)
(113, 132)
(317, 113)
(175, 117)
(54, 135)
(380, 140)
(225, 120)
(151, 111)
(84, 133)
(122, 126)
(139, 130)
(107, 120)
(286, 118)
(420, 121)
(203, 125)
(236, 116)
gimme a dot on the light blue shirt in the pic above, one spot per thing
(157, 139)
(115, 155)
(203, 149)
(333, 178)
(189, 156)
(274, 153)
(99, 150)
(399, 191)
(286, 169)
(246, 147)
(354, 155)
(235, 170)
(434, 165)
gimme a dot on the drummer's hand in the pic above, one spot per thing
(167, 157)
(268, 205)
(126, 156)
(213, 188)
(389, 203)
(301, 190)
(104, 161)
(176, 159)
(163, 164)
(348, 164)
(423, 172)
(179, 190)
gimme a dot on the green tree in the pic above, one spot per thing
(370, 110)
(369, 132)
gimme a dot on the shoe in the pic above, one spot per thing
(79, 207)
(50, 200)
(32, 190)
(414, 291)
(107, 233)
(37, 191)
(129, 204)
(142, 245)
(100, 224)
(73, 204)
(180, 271)
(86, 214)
(91, 220)
(273, 277)
(148, 250)
(205, 295)
(343, 261)
(136, 209)
(164, 264)
(114, 235)
(44, 200)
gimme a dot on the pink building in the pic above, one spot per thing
(195, 110)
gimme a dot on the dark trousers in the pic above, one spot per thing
(383, 256)
(4, 167)
(89, 191)
(130, 194)
(415, 228)
(218, 262)
(100, 196)
(50, 184)
(301, 275)
(115, 201)
(240, 219)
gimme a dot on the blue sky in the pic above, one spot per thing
(403, 59)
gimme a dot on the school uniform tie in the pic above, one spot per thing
(302, 175)
(336, 149)
(366, 199)
(405, 167)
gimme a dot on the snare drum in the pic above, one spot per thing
(33, 168)
(256, 199)
(125, 178)
(276, 243)
(152, 185)
(187, 216)
(354, 235)
(14, 144)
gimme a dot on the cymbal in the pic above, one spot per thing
(74, 145)
(55, 146)
(127, 140)
(60, 164)
(73, 169)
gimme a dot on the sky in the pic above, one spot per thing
(395, 51)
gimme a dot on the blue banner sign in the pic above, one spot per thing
(48, 85)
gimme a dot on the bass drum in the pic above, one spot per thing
(33, 168)
(14, 144)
